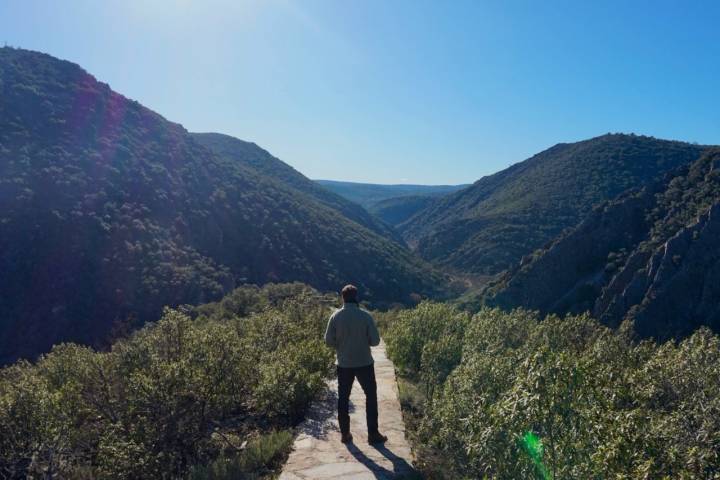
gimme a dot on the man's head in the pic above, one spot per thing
(349, 294)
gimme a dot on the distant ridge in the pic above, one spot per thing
(369, 194)
(397, 210)
(264, 163)
(110, 212)
(490, 225)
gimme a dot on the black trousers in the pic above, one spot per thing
(366, 378)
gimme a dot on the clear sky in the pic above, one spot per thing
(393, 91)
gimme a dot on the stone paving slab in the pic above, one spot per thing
(318, 452)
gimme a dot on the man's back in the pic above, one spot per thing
(352, 331)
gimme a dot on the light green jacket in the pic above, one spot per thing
(351, 331)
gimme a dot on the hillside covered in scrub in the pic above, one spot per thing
(177, 398)
(110, 212)
(490, 225)
(359, 240)
(651, 256)
(497, 394)
(370, 194)
(397, 210)
(260, 160)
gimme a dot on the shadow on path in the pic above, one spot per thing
(400, 467)
(317, 424)
(318, 453)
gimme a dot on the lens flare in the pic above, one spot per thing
(532, 445)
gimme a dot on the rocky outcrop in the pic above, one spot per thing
(682, 282)
(652, 256)
(568, 275)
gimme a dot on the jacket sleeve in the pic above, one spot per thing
(373, 334)
(330, 333)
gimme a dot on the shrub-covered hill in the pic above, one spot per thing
(651, 256)
(110, 212)
(259, 159)
(489, 226)
(368, 194)
(397, 210)
(510, 395)
(180, 395)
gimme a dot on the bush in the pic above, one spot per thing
(290, 377)
(562, 398)
(261, 454)
(426, 342)
(169, 396)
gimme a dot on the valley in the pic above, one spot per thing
(110, 212)
(164, 293)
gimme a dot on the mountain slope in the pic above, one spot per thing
(369, 194)
(490, 225)
(397, 210)
(111, 212)
(651, 256)
(260, 160)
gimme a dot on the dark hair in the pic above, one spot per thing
(349, 293)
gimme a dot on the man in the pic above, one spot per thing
(351, 331)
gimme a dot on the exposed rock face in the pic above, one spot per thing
(563, 276)
(682, 281)
(651, 256)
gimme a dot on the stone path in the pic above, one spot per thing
(318, 452)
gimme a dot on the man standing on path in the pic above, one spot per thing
(351, 331)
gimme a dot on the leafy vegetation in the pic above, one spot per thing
(260, 160)
(261, 454)
(650, 255)
(514, 397)
(182, 394)
(110, 212)
(687, 195)
(489, 226)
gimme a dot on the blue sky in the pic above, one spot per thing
(394, 91)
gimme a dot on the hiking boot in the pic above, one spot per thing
(376, 437)
(346, 438)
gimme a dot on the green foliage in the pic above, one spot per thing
(565, 398)
(290, 377)
(426, 342)
(264, 163)
(259, 456)
(689, 194)
(110, 213)
(489, 226)
(608, 264)
(172, 395)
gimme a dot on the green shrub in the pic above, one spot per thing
(290, 377)
(561, 398)
(259, 456)
(156, 404)
(412, 330)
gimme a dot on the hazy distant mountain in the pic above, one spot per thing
(369, 194)
(397, 210)
(109, 212)
(652, 256)
(260, 160)
(488, 226)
